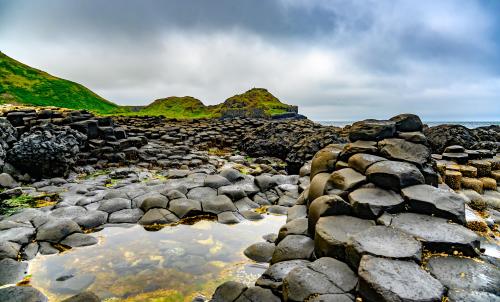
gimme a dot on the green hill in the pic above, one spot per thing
(256, 99)
(22, 84)
(178, 107)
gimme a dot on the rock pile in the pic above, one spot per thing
(373, 224)
(441, 136)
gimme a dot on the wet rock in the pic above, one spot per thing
(277, 209)
(433, 201)
(273, 277)
(158, 216)
(394, 175)
(184, 207)
(407, 122)
(326, 205)
(400, 149)
(371, 130)
(382, 241)
(228, 291)
(437, 234)
(233, 191)
(154, 201)
(293, 247)
(323, 276)
(257, 294)
(12, 271)
(114, 204)
(369, 203)
(461, 295)
(9, 249)
(333, 234)
(30, 251)
(294, 227)
(383, 279)
(21, 235)
(78, 239)
(216, 181)
(92, 219)
(361, 161)
(21, 293)
(55, 230)
(126, 216)
(346, 179)
(260, 251)
(465, 273)
(227, 218)
(217, 204)
(83, 297)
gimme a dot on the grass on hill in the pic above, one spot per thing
(21, 84)
(178, 107)
(256, 98)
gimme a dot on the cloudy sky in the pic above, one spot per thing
(335, 59)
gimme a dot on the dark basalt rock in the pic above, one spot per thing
(439, 137)
(465, 273)
(369, 203)
(257, 294)
(394, 175)
(371, 130)
(260, 251)
(463, 295)
(400, 149)
(433, 201)
(407, 122)
(293, 247)
(383, 279)
(21, 293)
(46, 151)
(273, 277)
(228, 292)
(12, 271)
(326, 205)
(83, 297)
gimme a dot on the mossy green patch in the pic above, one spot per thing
(22, 84)
(13, 204)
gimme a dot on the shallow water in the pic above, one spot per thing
(175, 263)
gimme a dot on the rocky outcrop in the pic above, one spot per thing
(439, 137)
(47, 151)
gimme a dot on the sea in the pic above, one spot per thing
(469, 124)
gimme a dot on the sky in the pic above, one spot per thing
(335, 59)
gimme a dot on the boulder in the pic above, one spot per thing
(158, 216)
(382, 279)
(346, 179)
(293, 247)
(154, 201)
(216, 181)
(273, 277)
(126, 216)
(78, 239)
(55, 230)
(9, 250)
(114, 205)
(294, 227)
(324, 160)
(400, 149)
(326, 205)
(228, 291)
(257, 294)
(407, 122)
(218, 204)
(371, 130)
(12, 271)
(92, 219)
(439, 137)
(394, 175)
(21, 293)
(260, 251)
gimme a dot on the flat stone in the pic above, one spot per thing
(55, 230)
(158, 216)
(251, 215)
(437, 234)
(323, 276)
(326, 205)
(218, 204)
(465, 273)
(333, 234)
(92, 219)
(21, 294)
(293, 247)
(414, 137)
(462, 295)
(371, 130)
(70, 212)
(126, 216)
(21, 235)
(245, 204)
(460, 158)
(231, 174)
(227, 218)
(78, 239)
(394, 175)
(354, 148)
(216, 181)
(260, 251)
(361, 161)
(400, 149)
(382, 241)
(454, 149)
(228, 291)
(346, 179)
(184, 207)
(9, 249)
(273, 277)
(383, 279)
(294, 227)
(233, 191)
(154, 201)
(295, 212)
(433, 201)
(201, 193)
(370, 203)
(286, 201)
(12, 271)
(257, 294)
(114, 204)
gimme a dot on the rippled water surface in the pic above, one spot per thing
(173, 264)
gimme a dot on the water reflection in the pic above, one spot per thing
(175, 263)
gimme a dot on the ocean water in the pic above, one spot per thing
(469, 124)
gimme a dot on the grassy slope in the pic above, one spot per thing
(178, 107)
(256, 98)
(22, 84)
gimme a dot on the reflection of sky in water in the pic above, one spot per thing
(177, 261)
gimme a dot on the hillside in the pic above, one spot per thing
(22, 84)
(256, 102)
